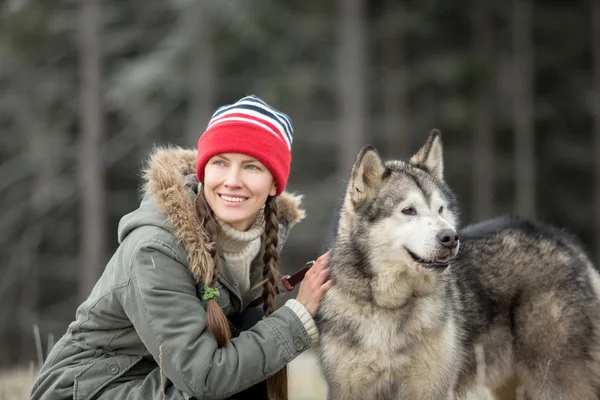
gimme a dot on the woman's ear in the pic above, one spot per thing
(273, 191)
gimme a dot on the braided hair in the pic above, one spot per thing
(277, 384)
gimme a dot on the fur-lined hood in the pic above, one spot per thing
(167, 184)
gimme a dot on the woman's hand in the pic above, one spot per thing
(316, 282)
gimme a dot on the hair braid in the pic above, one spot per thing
(277, 384)
(270, 256)
(216, 319)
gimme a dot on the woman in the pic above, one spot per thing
(199, 254)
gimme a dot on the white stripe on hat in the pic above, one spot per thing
(283, 118)
(249, 120)
(253, 103)
(256, 115)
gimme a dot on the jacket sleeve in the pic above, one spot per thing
(171, 322)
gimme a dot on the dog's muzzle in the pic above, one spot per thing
(439, 264)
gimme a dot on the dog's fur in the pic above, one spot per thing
(398, 327)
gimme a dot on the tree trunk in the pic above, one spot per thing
(483, 135)
(395, 85)
(202, 72)
(91, 175)
(523, 108)
(42, 154)
(596, 114)
(351, 81)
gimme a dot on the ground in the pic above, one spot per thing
(306, 383)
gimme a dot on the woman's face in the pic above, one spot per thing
(236, 187)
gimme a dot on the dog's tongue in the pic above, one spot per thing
(442, 260)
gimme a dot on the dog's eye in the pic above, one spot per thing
(409, 211)
(441, 210)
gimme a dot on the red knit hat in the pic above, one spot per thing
(252, 127)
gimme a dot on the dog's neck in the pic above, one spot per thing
(391, 290)
(394, 289)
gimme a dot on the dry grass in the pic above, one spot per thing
(306, 382)
(15, 384)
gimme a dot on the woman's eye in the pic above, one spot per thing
(251, 166)
(441, 210)
(409, 211)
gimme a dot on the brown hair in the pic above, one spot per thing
(277, 385)
(216, 319)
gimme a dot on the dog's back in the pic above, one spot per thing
(531, 300)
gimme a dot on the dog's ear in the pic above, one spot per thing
(430, 157)
(366, 177)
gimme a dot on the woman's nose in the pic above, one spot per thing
(233, 178)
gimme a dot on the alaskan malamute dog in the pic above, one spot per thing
(414, 297)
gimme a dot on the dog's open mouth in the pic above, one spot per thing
(439, 263)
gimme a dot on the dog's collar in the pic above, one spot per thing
(289, 282)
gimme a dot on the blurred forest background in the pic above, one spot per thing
(88, 87)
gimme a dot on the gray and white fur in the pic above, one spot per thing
(414, 296)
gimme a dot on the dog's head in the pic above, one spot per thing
(402, 213)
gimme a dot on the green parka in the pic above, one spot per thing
(146, 311)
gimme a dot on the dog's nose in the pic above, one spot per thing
(448, 238)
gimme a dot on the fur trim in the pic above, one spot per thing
(167, 166)
(289, 208)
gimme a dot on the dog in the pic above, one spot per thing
(418, 305)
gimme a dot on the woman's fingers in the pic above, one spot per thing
(324, 256)
(316, 283)
(321, 263)
(325, 287)
(322, 277)
(319, 272)
(323, 259)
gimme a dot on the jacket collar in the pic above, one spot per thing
(166, 182)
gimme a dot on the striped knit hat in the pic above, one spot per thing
(252, 127)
